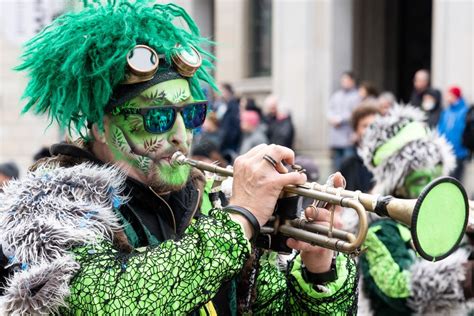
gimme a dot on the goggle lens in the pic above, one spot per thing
(143, 59)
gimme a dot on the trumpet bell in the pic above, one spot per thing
(439, 218)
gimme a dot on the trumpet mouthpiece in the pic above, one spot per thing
(178, 159)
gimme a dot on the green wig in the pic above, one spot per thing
(75, 63)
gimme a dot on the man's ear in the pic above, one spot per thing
(98, 134)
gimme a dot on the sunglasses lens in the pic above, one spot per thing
(159, 120)
(194, 115)
(142, 59)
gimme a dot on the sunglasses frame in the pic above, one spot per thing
(143, 111)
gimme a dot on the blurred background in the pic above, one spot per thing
(296, 50)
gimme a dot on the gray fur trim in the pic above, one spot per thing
(49, 283)
(416, 155)
(43, 216)
(436, 287)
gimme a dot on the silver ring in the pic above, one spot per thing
(310, 219)
(270, 160)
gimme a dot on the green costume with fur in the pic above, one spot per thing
(404, 156)
(73, 230)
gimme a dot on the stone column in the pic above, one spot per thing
(453, 45)
(312, 46)
(231, 37)
(453, 51)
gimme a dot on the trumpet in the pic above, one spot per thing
(437, 219)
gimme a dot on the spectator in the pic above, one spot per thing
(253, 135)
(8, 171)
(208, 151)
(432, 107)
(341, 104)
(451, 124)
(386, 101)
(229, 121)
(280, 129)
(312, 173)
(358, 177)
(421, 86)
(249, 104)
(209, 131)
(367, 91)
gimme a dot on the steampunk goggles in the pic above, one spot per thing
(143, 62)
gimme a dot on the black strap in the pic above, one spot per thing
(321, 278)
(248, 215)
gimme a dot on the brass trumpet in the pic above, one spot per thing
(438, 218)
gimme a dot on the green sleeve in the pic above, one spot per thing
(385, 266)
(286, 292)
(175, 277)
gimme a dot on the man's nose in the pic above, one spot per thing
(178, 134)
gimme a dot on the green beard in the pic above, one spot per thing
(171, 178)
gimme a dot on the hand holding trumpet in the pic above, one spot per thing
(259, 178)
(257, 183)
(318, 259)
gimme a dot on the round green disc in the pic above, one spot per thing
(439, 218)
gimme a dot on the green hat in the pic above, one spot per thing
(77, 63)
(400, 142)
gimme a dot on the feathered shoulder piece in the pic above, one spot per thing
(42, 217)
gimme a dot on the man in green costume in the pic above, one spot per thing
(108, 225)
(404, 156)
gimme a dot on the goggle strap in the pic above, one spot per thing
(123, 93)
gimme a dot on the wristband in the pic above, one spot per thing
(321, 278)
(248, 215)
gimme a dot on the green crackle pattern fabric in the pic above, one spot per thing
(173, 278)
(286, 293)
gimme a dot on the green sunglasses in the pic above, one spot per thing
(160, 119)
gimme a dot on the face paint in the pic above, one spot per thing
(148, 155)
(417, 180)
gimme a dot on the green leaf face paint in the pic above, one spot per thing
(417, 180)
(148, 154)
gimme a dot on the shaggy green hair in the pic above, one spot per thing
(75, 63)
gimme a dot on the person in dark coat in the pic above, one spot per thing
(280, 126)
(421, 88)
(358, 177)
(229, 122)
